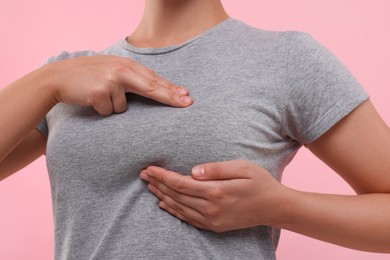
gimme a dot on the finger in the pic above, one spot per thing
(178, 209)
(154, 89)
(190, 218)
(118, 99)
(223, 170)
(149, 74)
(103, 105)
(162, 191)
(173, 87)
(183, 184)
(144, 176)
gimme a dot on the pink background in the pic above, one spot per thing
(357, 31)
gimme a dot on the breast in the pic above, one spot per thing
(112, 150)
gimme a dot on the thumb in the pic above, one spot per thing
(222, 170)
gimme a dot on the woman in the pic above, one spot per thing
(258, 103)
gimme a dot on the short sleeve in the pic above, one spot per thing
(42, 127)
(320, 90)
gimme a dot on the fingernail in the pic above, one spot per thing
(186, 99)
(198, 171)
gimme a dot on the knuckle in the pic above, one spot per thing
(160, 178)
(213, 211)
(161, 196)
(153, 75)
(173, 87)
(113, 76)
(175, 196)
(215, 226)
(153, 85)
(172, 97)
(152, 81)
(100, 93)
(118, 68)
(152, 181)
(216, 194)
(179, 185)
(178, 208)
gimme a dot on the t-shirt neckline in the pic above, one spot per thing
(162, 50)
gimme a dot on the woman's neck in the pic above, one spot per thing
(170, 22)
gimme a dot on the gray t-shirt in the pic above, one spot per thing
(258, 95)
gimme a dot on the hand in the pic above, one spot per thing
(101, 82)
(219, 196)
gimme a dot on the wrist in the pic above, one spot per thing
(48, 86)
(283, 207)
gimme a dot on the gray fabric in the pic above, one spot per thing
(259, 95)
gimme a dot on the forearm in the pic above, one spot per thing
(23, 104)
(360, 222)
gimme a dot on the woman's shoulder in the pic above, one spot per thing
(256, 36)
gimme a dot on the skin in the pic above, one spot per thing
(98, 81)
(101, 82)
(222, 196)
(239, 194)
(219, 196)
(171, 22)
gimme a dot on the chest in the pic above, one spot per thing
(231, 118)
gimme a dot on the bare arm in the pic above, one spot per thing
(23, 104)
(98, 81)
(239, 194)
(29, 149)
(358, 148)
